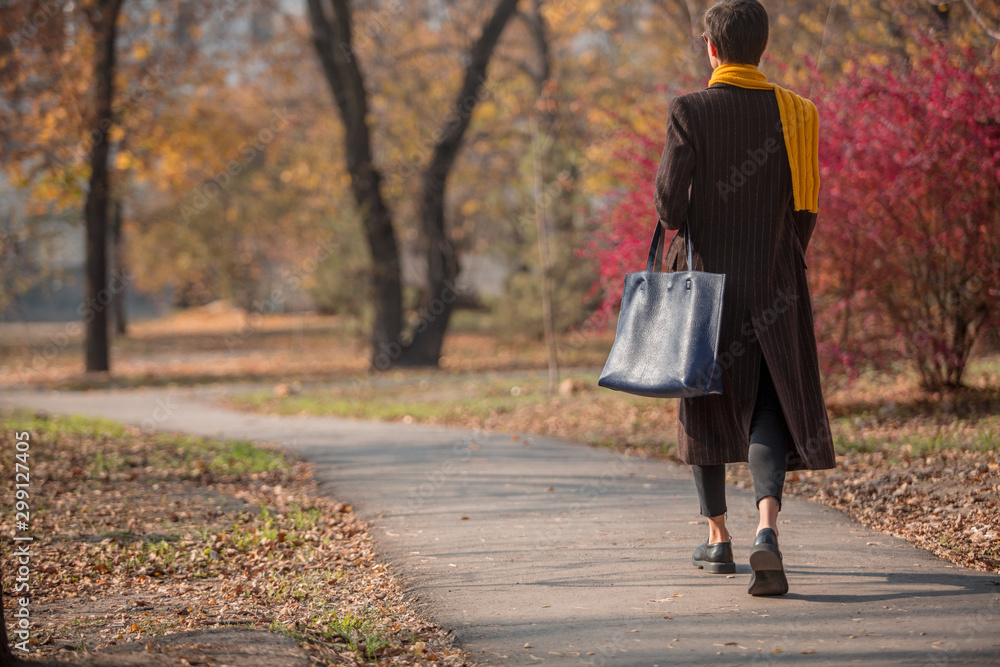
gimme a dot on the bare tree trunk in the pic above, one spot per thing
(331, 23)
(544, 263)
(546, 106)
(118, 262)
(442, 261)
(103, 19)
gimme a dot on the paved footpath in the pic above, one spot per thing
(547, 552)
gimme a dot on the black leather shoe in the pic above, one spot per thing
(768, 576)
(715, 558)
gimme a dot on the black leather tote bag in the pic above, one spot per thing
(667, 342)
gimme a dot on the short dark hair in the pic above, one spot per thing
(738, 28)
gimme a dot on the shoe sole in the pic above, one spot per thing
(715, 568)
(768, 576)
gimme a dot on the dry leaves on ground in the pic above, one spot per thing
(920, 467)
(945, 502)
(137, 536)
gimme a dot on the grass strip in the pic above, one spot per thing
(140, 535)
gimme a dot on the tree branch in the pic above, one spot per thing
(446, 149)
(979, 19)
(332, 39)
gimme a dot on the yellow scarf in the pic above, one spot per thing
(801, 127)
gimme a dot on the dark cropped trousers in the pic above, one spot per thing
(768, 449)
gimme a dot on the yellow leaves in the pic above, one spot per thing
(124, 160)
(260, 182)
(573, 16)
(646, 126)
(470, 206)
(487, 111)
(811, 23)
(588, 57)
(172, 162)
(879, 59)
(141, 51)
(49, 127)
(603, 22)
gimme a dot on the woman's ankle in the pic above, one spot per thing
(769, 508)
(717, 531)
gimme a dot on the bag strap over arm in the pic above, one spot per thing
(654, 262)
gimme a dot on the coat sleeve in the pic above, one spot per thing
(805, 223)
(674, 177)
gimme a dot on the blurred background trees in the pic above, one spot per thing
(911, 257)
(231, 174)
(904, 269)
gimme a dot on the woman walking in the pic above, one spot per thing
(741, 167)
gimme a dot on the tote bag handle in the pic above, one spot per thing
(655, 260)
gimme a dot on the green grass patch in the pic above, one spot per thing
(363, 631)
(921, 424)
(101, 447)
(917, 437)
(442, 398)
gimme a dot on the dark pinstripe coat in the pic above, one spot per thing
(725, 169)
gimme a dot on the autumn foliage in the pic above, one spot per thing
(911, 170)
(621, 242)
(905, 262)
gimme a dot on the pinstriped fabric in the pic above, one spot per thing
(725, 168)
